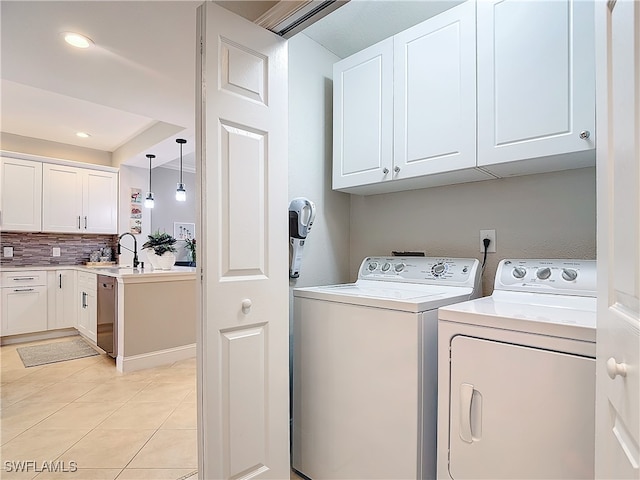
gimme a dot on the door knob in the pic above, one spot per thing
(396, 169)
(385, 170)
(585, 134)
(246, 305)
(614, 369)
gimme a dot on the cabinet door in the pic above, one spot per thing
(20, 195)
(536, 76)
(100, 202)
(435, 95)
(363, 117)
(87, 305)
(63, 288)
(61, 198)
(24, 309)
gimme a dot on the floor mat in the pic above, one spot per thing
(55, 352)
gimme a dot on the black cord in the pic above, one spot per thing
(485, 242)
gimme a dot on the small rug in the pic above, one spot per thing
(55, 352)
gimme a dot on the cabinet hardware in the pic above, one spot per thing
(19, 279)
(60, 280)
(84, 300)
(396, 169)
(23, 289)
(85, 222)
(385, 170)
(78, 222)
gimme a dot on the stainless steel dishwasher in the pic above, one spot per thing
(107, 315)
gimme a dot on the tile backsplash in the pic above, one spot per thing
(36, 249)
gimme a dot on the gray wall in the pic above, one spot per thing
(551, 215)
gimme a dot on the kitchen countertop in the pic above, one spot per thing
(123, 274)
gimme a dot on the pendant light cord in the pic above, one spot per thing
(180, 162)
(150, 173)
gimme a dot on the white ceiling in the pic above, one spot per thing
(134, 91)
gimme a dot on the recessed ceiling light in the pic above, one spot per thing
(82, 135)
(77, 40)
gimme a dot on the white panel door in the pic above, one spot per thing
(100, 202)
(618, 334)
(20, 195)
(519, 413)
(435, 94)
(243, 373)
(363, 117)
(535, 79)
(61, 198)
(64, 292)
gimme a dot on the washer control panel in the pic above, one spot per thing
(454, 271)
(572, 277)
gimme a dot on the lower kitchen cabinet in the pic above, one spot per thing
(24, 302)
(63, 307)
(87, 306)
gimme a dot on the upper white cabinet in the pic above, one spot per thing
(363, 117)
(435, 95)
(78, 200)
(536, 85)
(20, 195)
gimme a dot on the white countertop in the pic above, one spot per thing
(123, 274)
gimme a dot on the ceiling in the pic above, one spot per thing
(134, 90)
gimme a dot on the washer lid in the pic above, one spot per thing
(390, 295)
(552, 315)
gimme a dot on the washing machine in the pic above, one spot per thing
(365, 367)
(516, 375)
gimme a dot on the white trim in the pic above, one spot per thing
(34, 337)
(58, 161)
(155, 359)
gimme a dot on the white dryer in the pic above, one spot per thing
(516, 375)
(364, 374)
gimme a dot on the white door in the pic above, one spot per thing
(20, 195)
(100, 202)
(243, 339)
(618, 341)
(435, 94)
(61, 198)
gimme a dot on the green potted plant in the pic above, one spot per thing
(160, 249)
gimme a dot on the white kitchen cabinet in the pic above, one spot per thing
(536, 85)
(363, 117)
(63, 306)
(87, 305)
(79, 200)
(24, 302)
(435, 95)
(20, 195)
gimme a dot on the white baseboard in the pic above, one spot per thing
(155, 359)
(34, 337)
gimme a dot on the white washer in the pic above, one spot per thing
(516, 375)
(364, 374)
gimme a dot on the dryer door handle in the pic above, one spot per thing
(466, 397)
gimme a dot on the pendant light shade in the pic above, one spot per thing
(181, 193)
(148, 201)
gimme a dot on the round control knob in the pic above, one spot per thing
(386, 267)
(372, 266)
(519, 272)
(399, 267)
(569, 274)
(543, 273)
(614, 368)
(438, 269)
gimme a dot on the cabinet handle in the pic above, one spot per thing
(396, 169)
(23, 290)
(84, 300)
(78, 222)
(585, 134)
(385, 170)
(60, 280)
(19, 279)
(85, 222)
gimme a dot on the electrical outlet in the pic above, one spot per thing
(56, 251)
(491, 235)
(7, 252)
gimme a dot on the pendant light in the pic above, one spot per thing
(181, 193)
(149, 202)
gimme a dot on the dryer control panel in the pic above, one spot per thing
(427, 270)
(565, 277)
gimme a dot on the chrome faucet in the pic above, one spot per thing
(135, 248)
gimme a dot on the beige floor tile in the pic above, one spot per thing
(138, 415)
(192, 397)
(41, 445)
(154, 473)
(176, 375)
(99, 370)
(61, 392)
(113, 392)
(187, 363)
(79, 415)
(13, 392)
(19, 417)
(163, 392)
(23, 473)
(12, 374)
(183, 417)
(107, 448)
(168, 449)
(82, 474)
(54, 372)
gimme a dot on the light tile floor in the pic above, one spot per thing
(133, 426)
